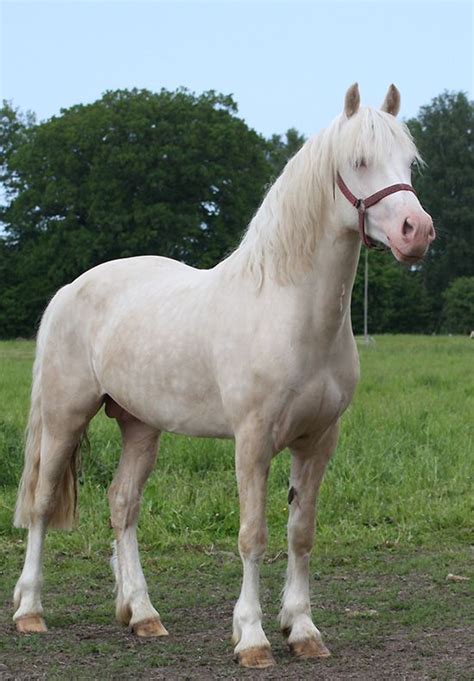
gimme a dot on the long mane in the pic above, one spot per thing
(282, 237)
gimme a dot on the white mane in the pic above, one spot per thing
(282, 236)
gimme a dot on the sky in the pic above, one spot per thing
(287, 64)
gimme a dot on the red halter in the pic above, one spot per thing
(363, 204)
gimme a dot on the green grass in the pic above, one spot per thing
(402, 473)
(395, 514)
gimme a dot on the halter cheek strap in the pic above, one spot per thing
(363, 204)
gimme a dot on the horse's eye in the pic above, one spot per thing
(360, 163)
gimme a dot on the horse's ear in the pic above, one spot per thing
(352, 100)
(391, 103)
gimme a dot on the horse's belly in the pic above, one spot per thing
(176, 414)
(172, 400)
(190, 415)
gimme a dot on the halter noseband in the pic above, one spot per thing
(363, 204)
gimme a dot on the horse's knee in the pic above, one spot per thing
(301, 536)
(253, 541)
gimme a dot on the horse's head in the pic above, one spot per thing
(375, 154)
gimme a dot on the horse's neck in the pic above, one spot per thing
(295, 249)
(322, 293)
(328, 287)
(280, 239)
(323, 297)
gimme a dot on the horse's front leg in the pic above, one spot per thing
(308, 464)
(253, 458)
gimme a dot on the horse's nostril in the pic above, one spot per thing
(407, 228)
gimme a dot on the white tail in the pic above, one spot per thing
(64, 513)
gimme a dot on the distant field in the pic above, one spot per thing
(396, 512)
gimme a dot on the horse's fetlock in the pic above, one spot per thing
(123, 611)
(245, 615)
(27, 586)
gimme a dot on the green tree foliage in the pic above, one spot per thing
(133, 173)
(398, 301)
(444, 133)
(283, 147)
(177, 174)
(458, 309)
(14, 131)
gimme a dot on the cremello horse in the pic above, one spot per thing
(259, 349)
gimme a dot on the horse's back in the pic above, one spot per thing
(106, 287)
(122, 275)
(136, 328)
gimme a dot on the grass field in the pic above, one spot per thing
(395, 517)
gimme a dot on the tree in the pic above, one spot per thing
(14, 131)
(281, 148)
(398, 302)
(134, 173)
(177, 174)
(458, 310)
(444, 133)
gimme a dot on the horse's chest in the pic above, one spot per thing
(313, 405)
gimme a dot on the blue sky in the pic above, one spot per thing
(287, 64)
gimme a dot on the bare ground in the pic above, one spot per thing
(404, 623)
(433, 654)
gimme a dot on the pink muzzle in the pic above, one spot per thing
(363, 204)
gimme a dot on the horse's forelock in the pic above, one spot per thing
(371, 134)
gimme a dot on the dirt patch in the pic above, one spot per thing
(108, 652)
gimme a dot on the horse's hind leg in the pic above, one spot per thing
(27, 596)
(52, 502)
(140, 444)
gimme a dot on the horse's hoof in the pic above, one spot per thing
(150, 627)
(31, 624)
(255, 658)
(309, 647)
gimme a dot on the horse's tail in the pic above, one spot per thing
(65, 499)
(26, 491)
